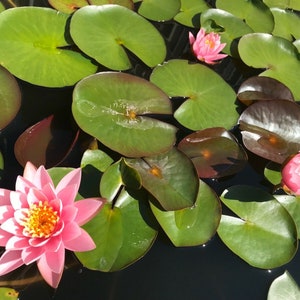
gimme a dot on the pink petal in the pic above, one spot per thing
(18, 200)
(42, 178)
(17, 243)
(31, 254)
(6, 212)
(82, 243)
(4, 197)
(11, 226)
(38, 242)
(191, 38)
(49, 191)
(4, 237)
(87, 209)
(72, 178)
(69, 213)
(29, 171)
(71, 231)
(23, 185)
(54, 244)
(10, 261)
(67, 194)
(35, 196)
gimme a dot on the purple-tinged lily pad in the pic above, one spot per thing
(214, 152)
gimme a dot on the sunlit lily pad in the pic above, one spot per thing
(170, 177)
(113, 107)
(205, 106)
(214, 152)
(38, 52)
(195, 225)
(158, 10)
(255, 13)
(47, 142)
(10, 97)
(278, 56)
(190, 11)
(263, 88)
(271, 129)
(272, 172)
(284, 287)
(263, 233)
(95, 31)
(227, 25)
(292, 4)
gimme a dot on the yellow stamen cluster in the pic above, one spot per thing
(210, 43)
(40, 220)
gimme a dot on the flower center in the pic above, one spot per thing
(210, 43)
(40, 220)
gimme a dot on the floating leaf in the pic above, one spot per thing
(273, 173)
(158, 10)
(263, 233)
(255, 13)
(114, 108)
(214, 152)
(180, 78)
(97, 158)
(7, 293)
(194, 225)
(284, 4)
(227, 25)
(95, 31)
(263, 88)
(275, 54)
(284, 287)
(38, 52)
(271, 129)
(190, 11)
(10, 97)
(170, 177)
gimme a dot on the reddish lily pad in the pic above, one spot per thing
(271, 129)
(47, 142)
(114, 108)
(214, 152)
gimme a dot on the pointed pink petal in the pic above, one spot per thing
(72, 178)
(31, 254)
(6, 212)
(87, 209)
(69, 213)
(49, 191)
(10, 261)
(38, 242)
(23, 185)
(11, 226)
(82, 243)
(59, 228)
(42, 178)
(71, 231)
(191, 38)
(17, 243)
(54, 244)
(67, 194)
(35, 196)
(18, 200)
(29, 171)
(4, 197)
(4, 237)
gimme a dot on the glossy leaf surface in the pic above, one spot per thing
(263, 233)
(284, 287)
(95, 31)
(292, 4)
(10, 97)
(114, 108)
(271, 129)
(278, 56)
(273, 172)
(170, 177)
(214, 152)
(180, 78)
(194, 225)
(42, 47)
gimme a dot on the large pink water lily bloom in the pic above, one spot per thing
(291, 175)
(39, 221)
(207, 47)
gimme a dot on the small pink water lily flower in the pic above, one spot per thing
(291, 175)
(207, 47)
(39, 221)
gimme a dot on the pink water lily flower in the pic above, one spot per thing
(291, 175)
(39, 221)
(207, 47)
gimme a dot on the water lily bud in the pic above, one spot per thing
(291, 175)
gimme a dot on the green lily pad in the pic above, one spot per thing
(263, 233)
(190, 11)
(96, 158)
(286, 23)
(284, 287)
(114, 108)
(278, 56)
(271, 129)
(158, 10)
(95, 31)
(214, 152)
(194, 225)
(272, 172)
(255, 13)
(290, 4)
(227, 25)
(180, 78)
(10, 97)
(170, 177)
(38, 52)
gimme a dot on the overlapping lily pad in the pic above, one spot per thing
(278, 56)
(114, 108)
(194, 225)
(205, 92)
(38, 52)
(262, 233)
(10, 97)
(96, 32)
(289, 4)
(271, 129)
(214, 152)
